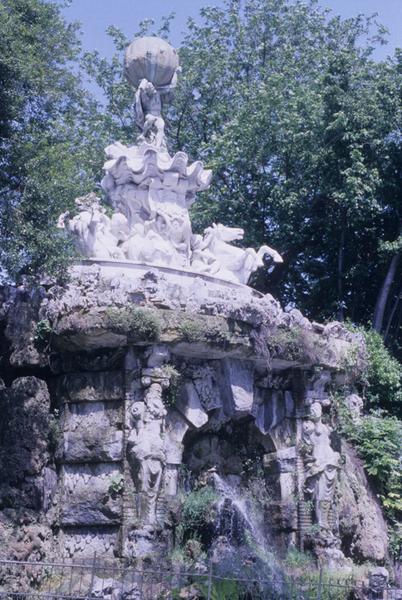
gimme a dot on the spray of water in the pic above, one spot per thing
(234, 505)
(241, 524)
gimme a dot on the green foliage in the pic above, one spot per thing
(335, 586)
(143, 324)
(42, 334)
(48, 140)
(174, 377)
(285, 107)
(197, 514)
(296, 559)
(189, 554)
(222, 590)
(216, 332)
(191, 330)
(286, 343)
(395, 540)
(219, 590)
(384, 374)
(377, 438)
(116, 484)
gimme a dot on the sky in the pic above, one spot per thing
(96, 15)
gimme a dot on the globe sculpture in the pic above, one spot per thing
(152, 59)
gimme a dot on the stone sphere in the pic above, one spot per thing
(150, 58)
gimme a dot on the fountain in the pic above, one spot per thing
(159, 355)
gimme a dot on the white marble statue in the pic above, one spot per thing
(151, 192)
(145, 442)
(321, 464)
(94, 233)
(151, 66)
(232, 263)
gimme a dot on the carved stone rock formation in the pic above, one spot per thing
(145, 379)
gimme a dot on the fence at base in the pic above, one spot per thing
(115, 581)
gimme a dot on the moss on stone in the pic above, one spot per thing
(191, 331)
(139, 323)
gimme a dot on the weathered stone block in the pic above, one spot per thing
(237, 387)
(206, 383)
(93, 446)
(92, 432)
(88, 496)
(100, 360)
(85, 542)
(282, 461)
(271, 411)
(190, 406)
(24, 429)
(92, 387)
(176, 428)
(289, 403)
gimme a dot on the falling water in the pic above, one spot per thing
(234, 515)
(242, 527)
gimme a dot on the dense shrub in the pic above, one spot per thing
(377, 438)
(42, 335)
(383, 375)
(197, 515)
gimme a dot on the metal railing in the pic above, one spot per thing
(113, 580)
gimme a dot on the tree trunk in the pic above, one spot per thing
(394, 308)
(341, 259)
(382, 299)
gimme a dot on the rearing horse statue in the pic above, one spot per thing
(230, 262)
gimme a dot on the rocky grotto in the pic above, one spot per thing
(155, 377)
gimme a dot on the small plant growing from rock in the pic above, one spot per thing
(141, 323)
(54, 432)
(286, 343)
(42, 335)
(174, 376)
(197, 515)
(216, 332)
(116, 485)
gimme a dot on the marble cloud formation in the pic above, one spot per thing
(151, 192)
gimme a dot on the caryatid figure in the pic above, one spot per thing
(321, 465)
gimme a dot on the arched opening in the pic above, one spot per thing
(230, 462)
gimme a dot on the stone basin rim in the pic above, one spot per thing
(185, 273)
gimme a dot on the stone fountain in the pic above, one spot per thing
(159, 355)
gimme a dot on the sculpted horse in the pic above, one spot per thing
(230, 262)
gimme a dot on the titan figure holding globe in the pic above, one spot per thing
(151, 65)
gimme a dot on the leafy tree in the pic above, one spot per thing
(302, 130)
(47, 135)
(388, 309)
(295, 119)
